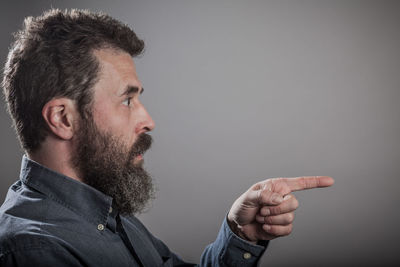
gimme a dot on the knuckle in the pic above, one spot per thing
(303, 182)
(273, 231)
(268, 220)
(290, 217)
(276, 210)
(265, 197)
(259, 195)
(260, 219)
(264, 211)
(267, 185)
(257, 186)
(287, 230)
(275, 184)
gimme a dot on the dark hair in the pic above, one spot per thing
(52, 56)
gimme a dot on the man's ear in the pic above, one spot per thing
(61, 116)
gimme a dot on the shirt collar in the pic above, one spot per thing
(81, 198)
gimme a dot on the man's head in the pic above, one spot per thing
(52, 57)
(70, 78)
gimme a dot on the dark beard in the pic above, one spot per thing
(106, 164)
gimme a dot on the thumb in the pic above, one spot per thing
(264, 197)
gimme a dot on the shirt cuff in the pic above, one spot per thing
(239, 251)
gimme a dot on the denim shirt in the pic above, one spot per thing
(49, 219)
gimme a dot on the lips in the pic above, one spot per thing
(142, 144)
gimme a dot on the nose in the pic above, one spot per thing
(150, 123)
(147, 124)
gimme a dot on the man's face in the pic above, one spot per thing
(111, 140)
(116, 105)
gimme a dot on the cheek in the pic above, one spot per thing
(120, 122)
(107, 118)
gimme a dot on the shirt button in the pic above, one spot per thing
(110, 210)
(246, 255)
(100, 227)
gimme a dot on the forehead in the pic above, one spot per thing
(117, 71)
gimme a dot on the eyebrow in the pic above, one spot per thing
(132, 90)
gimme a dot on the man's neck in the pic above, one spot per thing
(55, 156)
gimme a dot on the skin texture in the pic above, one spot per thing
(265, 211)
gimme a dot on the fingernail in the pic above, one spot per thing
(267, 227)
(277, 199)
(267, 212)
(287, 197)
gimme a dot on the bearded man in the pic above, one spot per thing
(72, 90)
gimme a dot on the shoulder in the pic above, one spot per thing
(24, 243)
(31, 250)
(22, 218)
(19, 234)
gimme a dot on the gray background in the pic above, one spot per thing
(249, 90)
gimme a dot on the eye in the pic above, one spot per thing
(127, 102)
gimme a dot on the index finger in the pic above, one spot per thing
(308, 182)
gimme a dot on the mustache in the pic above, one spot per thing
(142, 144)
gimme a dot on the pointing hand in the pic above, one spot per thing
(266, 210)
